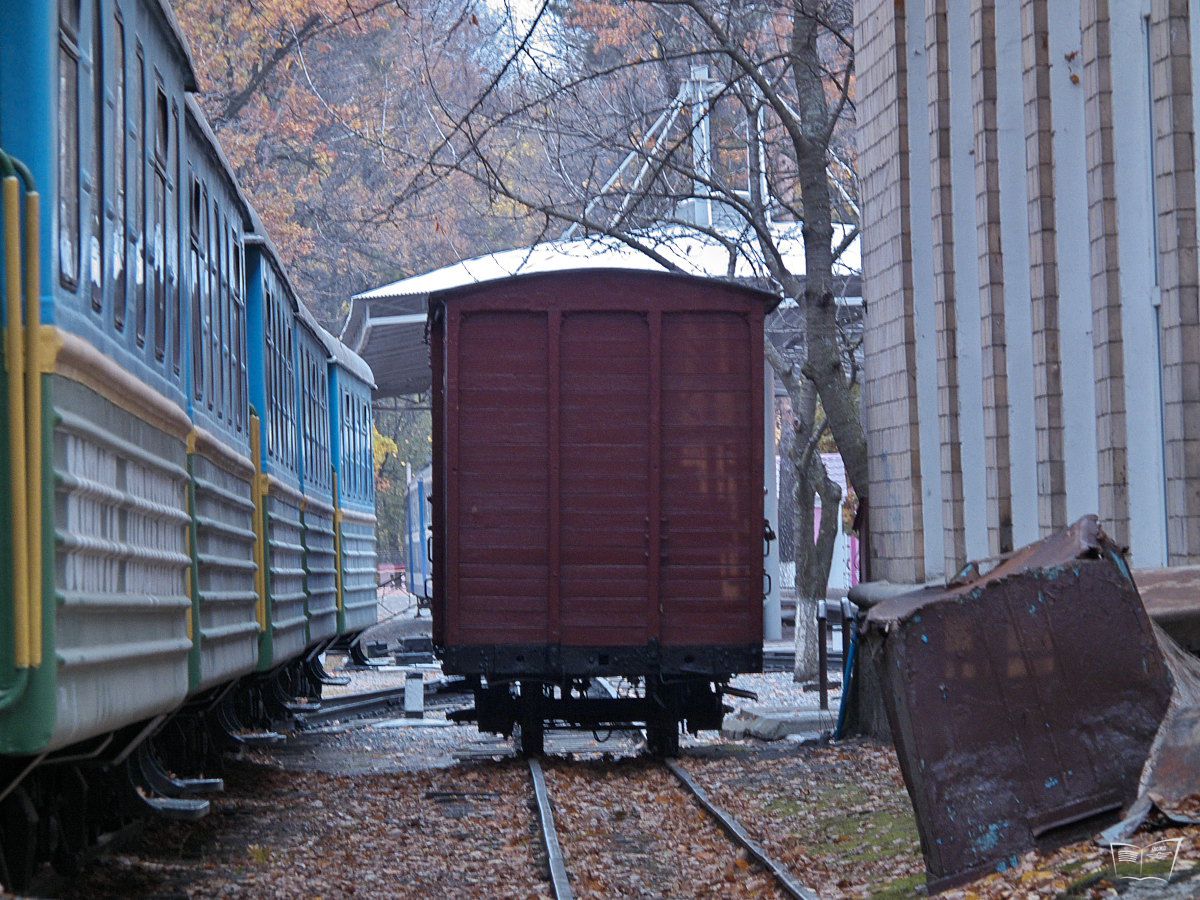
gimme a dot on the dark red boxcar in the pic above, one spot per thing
(598, 488)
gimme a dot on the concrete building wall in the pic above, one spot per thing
(890, 396)
(1031, 275)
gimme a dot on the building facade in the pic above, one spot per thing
(1030, 275)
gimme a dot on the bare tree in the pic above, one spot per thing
(673, 125)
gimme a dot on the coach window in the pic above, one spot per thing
(320, 454)
(326, 462)
(272, 375)
(290, 396)
(347, 446)
(223, 272)
(205, 299)
(218, 274)
(137, 234)
(356, 435)
(352, 461)
(162, 139)
(68, 143)
(119, 164)
(310, 414)
(96, 165)
(194, 268)
(238, 339)
(214, 309)
(275, 370)
(174, 189)
(367, 473)
(366, 451)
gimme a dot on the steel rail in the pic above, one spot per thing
(559, 881)
(728, 823)
(353, 704)
(734, 829)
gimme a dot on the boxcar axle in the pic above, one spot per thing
(663, 707)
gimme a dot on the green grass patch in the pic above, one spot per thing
(900, 889)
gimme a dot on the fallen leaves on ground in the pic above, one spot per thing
(464, 832)
(628, 829)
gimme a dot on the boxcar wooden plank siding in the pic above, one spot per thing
(708, 501)
(503, 395)
(598, 467)
(604, 414)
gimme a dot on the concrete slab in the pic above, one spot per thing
(776, 724)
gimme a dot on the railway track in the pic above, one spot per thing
(345, 706)
(559, 878)
(352, 705)
(557, 861)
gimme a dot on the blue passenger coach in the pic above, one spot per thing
(91, 98)
(318, 515)
(225, 602)
(350, 386)
(280, 501)
(185, 459)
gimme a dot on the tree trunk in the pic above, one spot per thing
(812, 558)
(823, 362)
(804, 408)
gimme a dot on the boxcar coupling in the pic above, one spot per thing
(186, 465)
(597, 497)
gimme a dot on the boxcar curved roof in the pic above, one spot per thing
(389, 333)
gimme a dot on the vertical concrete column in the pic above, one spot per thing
(896, 539)
(991, 276)
(772, 607)
(1107, 338)
(924, 297)
(1175, 190)
(1043, 268)
(937, 59)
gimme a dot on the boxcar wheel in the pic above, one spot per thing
(663, 739)
(533, 737)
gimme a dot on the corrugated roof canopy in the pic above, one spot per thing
(386, 325)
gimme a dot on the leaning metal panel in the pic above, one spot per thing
(1023, 702)
(320, 571)
(358, 574)
(225, 567)
(120, 565)
(285, 578)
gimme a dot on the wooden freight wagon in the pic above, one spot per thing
(597, 497)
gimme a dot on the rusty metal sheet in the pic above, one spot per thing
(1023, 701)
(1170, 781)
